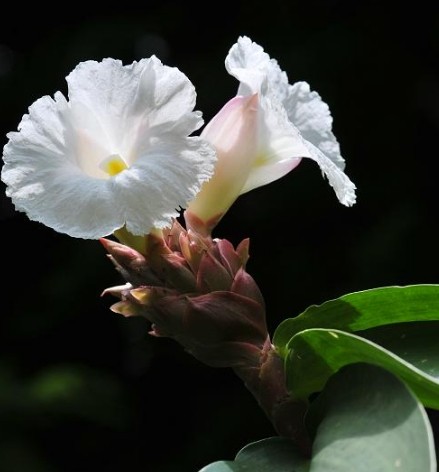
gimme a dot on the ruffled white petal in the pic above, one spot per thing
(246, 62)
(170, 97)
(44, 182)
(255, 70)
(312, 117)
(344, 188)
(115, 92)
(133, 103)
(141, 114)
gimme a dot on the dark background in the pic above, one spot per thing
(82, 389)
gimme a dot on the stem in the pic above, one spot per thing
(267, 383)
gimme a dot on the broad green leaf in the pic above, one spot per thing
(316, 354)
(367, 420)
(267, 455)
(363, 310)
(416, 343)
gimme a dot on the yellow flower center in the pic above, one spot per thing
(113, 165)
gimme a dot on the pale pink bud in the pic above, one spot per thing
(234, 134)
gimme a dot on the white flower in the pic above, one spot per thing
(295, 122)
(259, 144)
(116, 153)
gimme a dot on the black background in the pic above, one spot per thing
(82, 389)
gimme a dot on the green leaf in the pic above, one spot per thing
(267, 455)
(363, 310)
(416, 343)
(316, 354)
(367, 420)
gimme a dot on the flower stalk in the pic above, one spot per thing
(267, 383)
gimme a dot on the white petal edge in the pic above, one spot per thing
(344, 188)
(311, 115)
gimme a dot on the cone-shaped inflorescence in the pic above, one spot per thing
(195, 289)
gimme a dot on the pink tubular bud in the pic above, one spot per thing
(234, 134)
